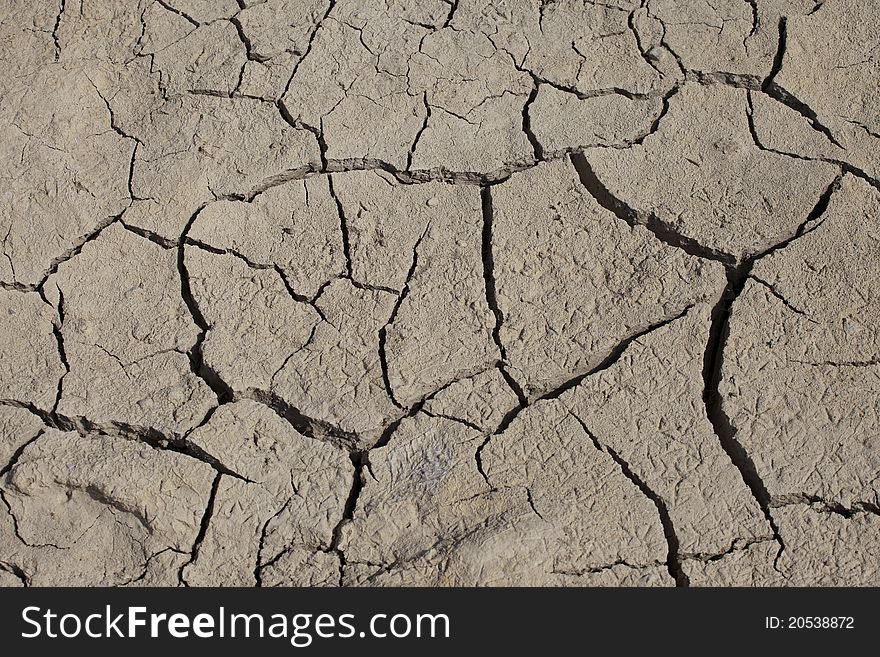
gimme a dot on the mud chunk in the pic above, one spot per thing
(702, 176)
(801, 379)
(336, 377)
(127, 333)
(64, 170)
(573, 280)
(283, 489)
(93, 510)
(197, 148)
(830, 55)
(671, 446)
(246, 348)
(29, 353)
(207, 60)
(495, 535)
(293, 226)
(18, 427)
(440, 327)
(730, 36)
(823, 547)
(561, 121)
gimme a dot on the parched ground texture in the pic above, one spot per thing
(440, 292)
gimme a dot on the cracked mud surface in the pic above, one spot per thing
(444, 292)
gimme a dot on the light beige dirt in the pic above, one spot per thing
(440, 292)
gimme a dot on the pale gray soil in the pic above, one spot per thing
(440, 292)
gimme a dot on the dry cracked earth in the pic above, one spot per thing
(438, 292)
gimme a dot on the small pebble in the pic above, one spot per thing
(653, 54)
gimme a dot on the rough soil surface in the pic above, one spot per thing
(440, 292)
